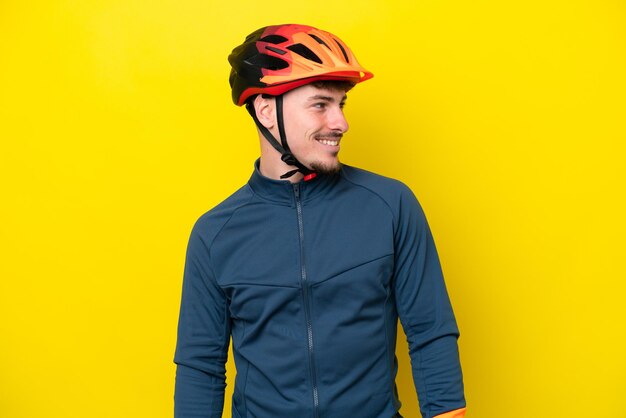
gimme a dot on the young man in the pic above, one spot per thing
(309, 265)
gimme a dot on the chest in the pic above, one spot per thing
(271, 245)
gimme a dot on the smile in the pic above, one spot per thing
(331, 142)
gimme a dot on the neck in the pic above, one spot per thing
(273, 167)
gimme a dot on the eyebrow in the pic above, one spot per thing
(326, 98)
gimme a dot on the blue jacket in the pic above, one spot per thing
(309, 279)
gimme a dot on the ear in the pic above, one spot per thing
(265, 108)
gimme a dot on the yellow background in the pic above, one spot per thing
(117, 131)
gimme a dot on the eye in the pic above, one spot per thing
(320, 105)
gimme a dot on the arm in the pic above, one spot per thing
(426, 315)
(203, 338)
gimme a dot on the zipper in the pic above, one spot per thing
(307, 301)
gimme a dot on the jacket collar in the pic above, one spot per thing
(283, 191)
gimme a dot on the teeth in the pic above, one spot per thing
(329, 142)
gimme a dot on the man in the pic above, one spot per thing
(309, 265)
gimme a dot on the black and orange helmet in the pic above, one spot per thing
(275, 59)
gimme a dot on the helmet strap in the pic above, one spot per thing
(285, 153)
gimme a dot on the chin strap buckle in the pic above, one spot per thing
(288, 158)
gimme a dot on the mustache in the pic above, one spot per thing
(329, 135)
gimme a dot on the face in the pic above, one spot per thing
(314, 125)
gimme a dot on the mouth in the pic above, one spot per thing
(330, 141)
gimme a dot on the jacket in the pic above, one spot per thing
(309, 280)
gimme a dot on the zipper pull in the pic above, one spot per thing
(296, 190)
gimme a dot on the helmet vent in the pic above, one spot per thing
(278, 51)
(273, 39)
(304, 52)
(342, 50)
(267, 61)
(319, 40)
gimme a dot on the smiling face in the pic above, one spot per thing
(314, 126)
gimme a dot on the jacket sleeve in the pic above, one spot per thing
(426, 314)
(203, 338)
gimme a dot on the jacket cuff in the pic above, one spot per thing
(457, 413)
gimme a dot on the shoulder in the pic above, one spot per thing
(388, 189)
(395, 194)
(208, 225)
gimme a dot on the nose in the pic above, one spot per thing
(337, 120)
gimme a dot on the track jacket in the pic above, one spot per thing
(309, 279)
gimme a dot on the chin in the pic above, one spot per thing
(326, 168)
